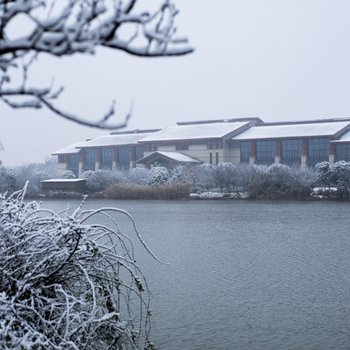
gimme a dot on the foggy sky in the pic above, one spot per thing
(274, 59)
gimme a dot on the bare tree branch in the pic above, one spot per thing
(68, 27)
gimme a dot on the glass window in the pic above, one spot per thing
(291, 152)
(210, 158)
(151, 147)
(342, 151)
(90, 158)
(245, 151)
(73, 163)
(214, 144)
(125, 157)
(181, 146)
(318, 150)
(265, 152)
(139, 152)
(217, 157)
(106, 158)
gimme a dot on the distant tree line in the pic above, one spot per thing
(276, 181)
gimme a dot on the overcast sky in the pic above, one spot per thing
(274, 59)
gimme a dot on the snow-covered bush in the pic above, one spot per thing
(334, 175)
(68, 283)
(224, 176)
(158, 176)
(68, 174)
(325, 173)
(179, 174)
(204, 177)
(16, 177)
(139, 176)
(100, 179)
(279, 181)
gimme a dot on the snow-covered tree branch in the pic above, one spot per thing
(68, 27)
(67, 282)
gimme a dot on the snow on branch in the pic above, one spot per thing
(68, 283)
(67, 27)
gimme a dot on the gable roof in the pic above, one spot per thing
(344, 138)
(210, 130)
(117, 139)
(71, 149)
(174, 156)
(292, 130)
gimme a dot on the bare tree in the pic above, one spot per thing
(68, 27)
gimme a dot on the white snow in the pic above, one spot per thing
(292, 130)
(343, 138)
(195, 131)
(64, 180)
(115, 139)
(71, 149)
(179, 157)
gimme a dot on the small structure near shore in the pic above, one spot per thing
(64, 185)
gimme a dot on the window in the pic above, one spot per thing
(73, 163)
(210, 158)
(151, 147)
(342, 151)
(125, 157)
(265, 152)
(217, 158)
(106, 158)
(181, 146)
(214, 144)
(90, 158)
(245, 151)
(291, 152)
(318, 150)
(139, 152)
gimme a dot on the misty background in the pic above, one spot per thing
(274, 59)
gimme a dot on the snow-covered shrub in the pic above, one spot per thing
(179, 174)
(13, 179)
(224, 176)
(158, 176)
(204, 177)
(325, 173)
(68, 174)
(279, 181)
(100, 179)
(140, 176)
(68, 283)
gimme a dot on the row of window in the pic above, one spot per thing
(291, 151)
(125, 154)
(184, 145)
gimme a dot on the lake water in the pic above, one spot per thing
(245, 275)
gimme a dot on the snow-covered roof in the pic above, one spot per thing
(195, 131)
(71, 149)
(64, 180)
(343, 138)
(292, 130)
(175, 156)
(115, 140)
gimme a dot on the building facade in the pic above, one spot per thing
(242, 140)
(116, 151)
(205, 141)
(295, 143)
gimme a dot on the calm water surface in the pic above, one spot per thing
(245, 275)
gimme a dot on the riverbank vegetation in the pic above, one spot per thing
(224, 180)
